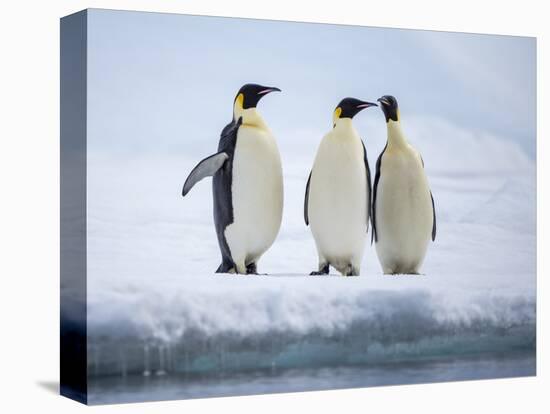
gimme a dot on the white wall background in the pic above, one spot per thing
(29, 265)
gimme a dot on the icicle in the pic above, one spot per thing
(169, 360)
(161, 371)
(186, 362)
(223, 356)
(146, 371)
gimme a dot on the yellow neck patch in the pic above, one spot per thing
(240, 101)
(336, 115)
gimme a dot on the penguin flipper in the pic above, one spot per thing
(374, 236)
(306, 200)
(206, 168)
(369, 187)
(434, 225)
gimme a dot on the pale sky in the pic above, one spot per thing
(165, 83)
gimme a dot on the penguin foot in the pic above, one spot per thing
(350, 271)
(226, 267)
(231, 271)
(323, 270)
(252, 269)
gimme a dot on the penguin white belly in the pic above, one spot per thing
(337, 206)
(404, 215)
(257, 195)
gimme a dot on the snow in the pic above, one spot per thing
(155, 303)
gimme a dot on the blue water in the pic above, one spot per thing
(136, 388)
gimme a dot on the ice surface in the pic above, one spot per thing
(121, 389)
(155, 305)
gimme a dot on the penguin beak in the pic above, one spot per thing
(267, 90)
(364, 105)
(383, 101)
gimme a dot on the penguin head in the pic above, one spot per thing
(389, 106)
(249, 95)
(348, 108)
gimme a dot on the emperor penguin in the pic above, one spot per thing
(403, 209)
(247, 184)
(338, 194)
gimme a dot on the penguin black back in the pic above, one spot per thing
(223, 199)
